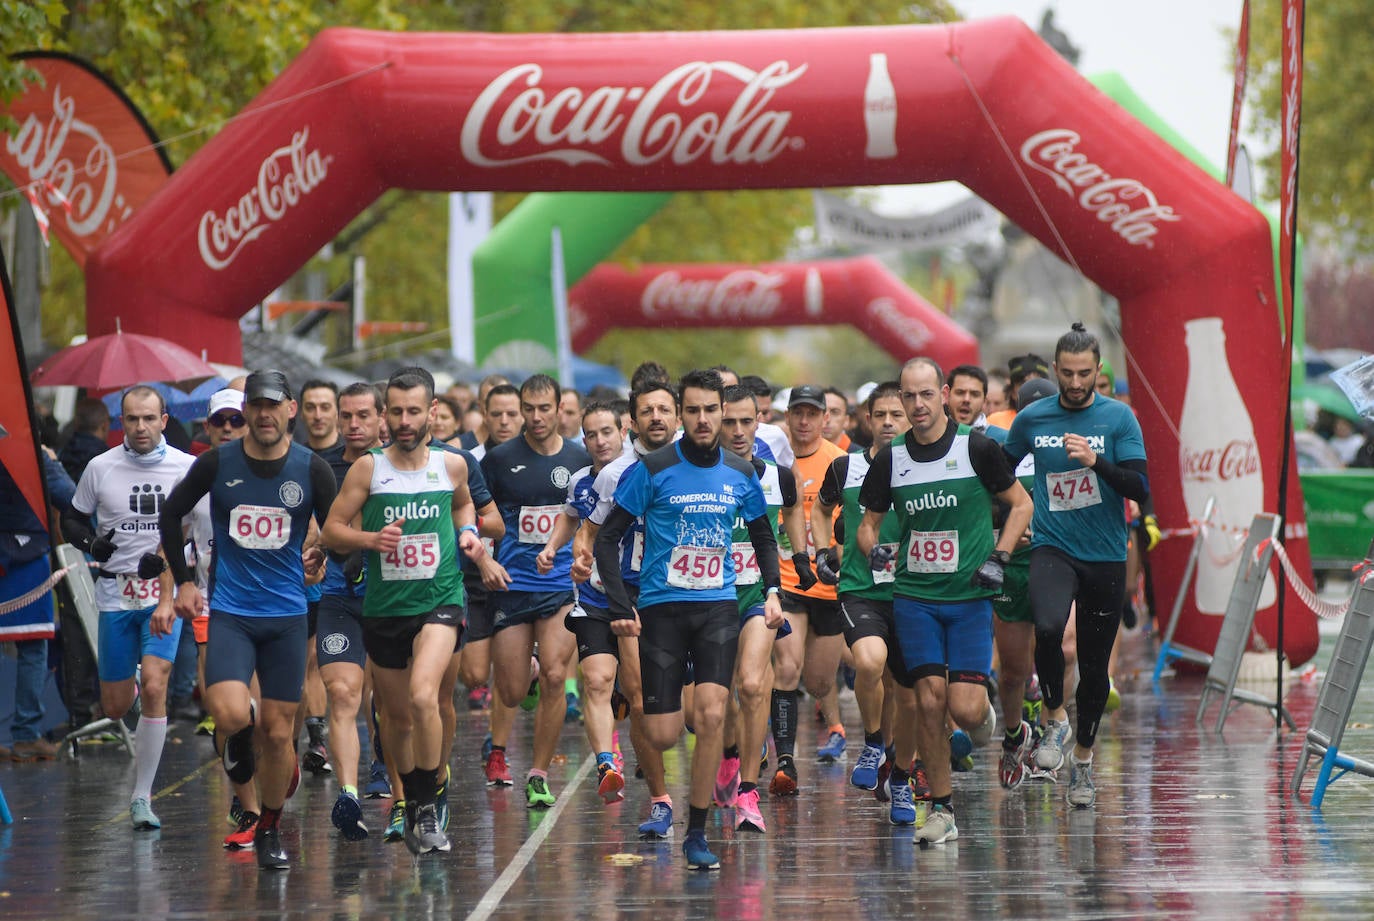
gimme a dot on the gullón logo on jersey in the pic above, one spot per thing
(930, 501)
(411, 511)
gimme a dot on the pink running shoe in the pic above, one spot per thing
(727, 782)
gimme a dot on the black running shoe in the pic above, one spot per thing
(271, 855)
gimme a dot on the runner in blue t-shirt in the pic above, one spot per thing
(689, 495)
(1089, 457)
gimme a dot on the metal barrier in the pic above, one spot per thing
(83, 596)
(1169, 651)
(1337, 696)
(1237, 624)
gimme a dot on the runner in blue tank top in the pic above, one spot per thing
(264, 491)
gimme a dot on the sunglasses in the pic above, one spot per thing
(236, 420)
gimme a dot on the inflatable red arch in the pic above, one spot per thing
(859, 291)
(985, 103)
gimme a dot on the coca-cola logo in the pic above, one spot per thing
(662, 122)
(1127, 205)
(747, 294)
(89, 187)
(1235, 459)
(913, 334)
(286, 175)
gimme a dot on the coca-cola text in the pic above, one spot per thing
(1112, 200)
(1236, 459)
(566, 121)
(45, 152)
(745, 294)
(285, 176)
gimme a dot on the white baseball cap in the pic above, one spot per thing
(226, 399)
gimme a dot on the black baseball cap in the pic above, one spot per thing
(1035, 389)
(267, 385)
(807, 395)
(1021, 365)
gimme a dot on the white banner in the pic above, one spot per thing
(469, 222)
(857, 227)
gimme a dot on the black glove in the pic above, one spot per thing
(805, 577)
(150, 566)
(880, 557)
(828, 565)
(990, 574)
(353, 568)
(102, 548)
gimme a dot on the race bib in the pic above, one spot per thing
(697, 568)
(746, 563)
(536, 523)
(637, 552)
(260, 527)
(135, 594)
(594, 580)
(415, 557)
(933, 552)
(1071, 489)
(889, 572)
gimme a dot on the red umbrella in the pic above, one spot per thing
(119, 359)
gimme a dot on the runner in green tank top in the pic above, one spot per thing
(940, 479)
(414, 510)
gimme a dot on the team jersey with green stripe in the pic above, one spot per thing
(422, 573)
(748, 576)
(942, 497)
(846, 474)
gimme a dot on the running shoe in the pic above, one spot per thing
(396, 822)
(611, 787)
(1011, 770)
(479, 698)
(441, 800)
(920, 781)
(832, 750)
(271, 855)
(982, 733)
(960, 751)
(378, 784)
(537, 795)
(902, 810)
(206, 727)
(698, 854)
(347, 817)
(295, 780)
(423, 835)
(1113, 697)
(881, 792)
(486, 746)
(574, 714)
(660, 824)
(1082, 792)
(747, 815)
(141, 812)
(532, 695)
(939, 827)
(1049, 756)
(498, 774)
(785, 780)
(316, 759)
(1032, 702)
(241, 838)
(866, 770)
(235, 811)
(727, 782)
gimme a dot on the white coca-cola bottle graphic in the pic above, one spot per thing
(880, 110)
(1218, 457)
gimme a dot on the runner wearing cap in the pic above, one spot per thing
(264, 492)
(812, 653)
